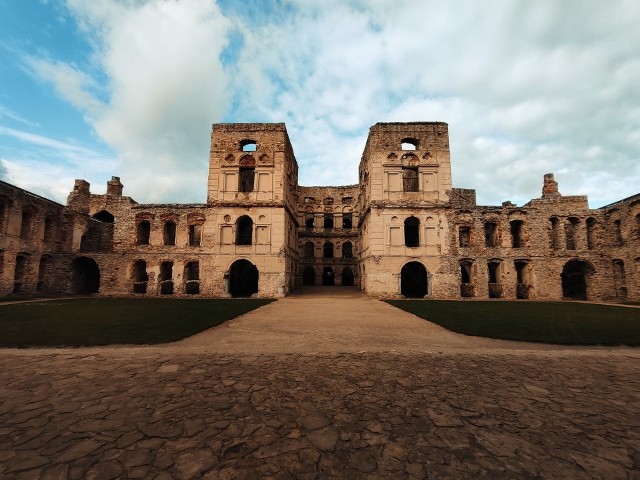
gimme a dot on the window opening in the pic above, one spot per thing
(617, 229)
(20, 274)
(166, 278)
(327, 250)
(410, 179)
(347, 220)
(309, 221)
(412, 232)
(192, 278)
(555, 233)
(522, 280)
(246, 179)
(44, 273)
(48, 230)
(104, 216)
(328, 220)
(490, 234)
(409, 144)
(570, 233)
(26, 224)
(516, 233)
(347, 250)
(140, 277)
(144, 233)
(169, 235)
(309, 250)
(466, 279)
(495, 285)
(464, 235)
(244, 230)
(591, 230)
(195, 235)
(248, 145)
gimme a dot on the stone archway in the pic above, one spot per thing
(243, 279)
(574, 279)
(309, 276)
(85, 276)
(328, 278)
(413, 280)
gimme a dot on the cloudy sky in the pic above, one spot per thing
(91, 89)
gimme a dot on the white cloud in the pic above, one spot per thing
(526, 87)
(6, 112)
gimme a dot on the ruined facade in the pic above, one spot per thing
(403, 230)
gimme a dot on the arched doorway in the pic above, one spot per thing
(86, 276)
(347, 277)
(243, 279)
(309, 276)
(413, 280)
(574, 279)
(328, 277)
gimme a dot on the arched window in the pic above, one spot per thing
(244, 230)
(412, 232)
(347, 250)
(347, 220)
(247, 174)
(555, 233)
(409, 144)
(143, 232)
(309, 221)
(309, 250)
(169, 233)
(327, 250)
(467, 284)
(27, 224)
(328, 220)
(104, 216)
(570, 231)
(591, 232)
(495, 279)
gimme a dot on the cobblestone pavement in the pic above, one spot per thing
(178, 412)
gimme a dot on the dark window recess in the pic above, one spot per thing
(48, 229)
(144, 233)
(495, 286)
(490, 234)
(166, 278)
(570, 227)
(140, 277)
(555, 233)
(347, 250)
(617, 230)
(169, 234)
(327, 250)
(244, 230)
(464, 235)
(412, 232)
(309, 222)
(195, 235)
(247, 176)
(25, 226)
(328, 220)
(309, 250)
(591, 230)
(347, 220)
(192, 278)
(516, 233)
(20, 274)
(410, 179)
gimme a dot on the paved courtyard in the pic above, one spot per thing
(329, 384)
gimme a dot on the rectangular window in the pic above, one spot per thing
(490, 234)
(464, 236)
(347, 220)
(195, 234)
(410, 179)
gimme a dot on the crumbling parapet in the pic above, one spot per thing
(550, 186)
(80, 197)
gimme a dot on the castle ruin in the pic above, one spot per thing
(403, 230)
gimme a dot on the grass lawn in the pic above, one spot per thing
(109, 321)
(547, 322)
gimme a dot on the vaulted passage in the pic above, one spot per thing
(413, 281)
(328, 277)
(347, 277)
(86, 276)
(243, 279)
(574, 279)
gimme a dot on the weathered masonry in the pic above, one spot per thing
(403, 230)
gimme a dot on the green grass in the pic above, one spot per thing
(109, 321)
(546, 322)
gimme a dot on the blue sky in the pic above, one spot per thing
(131, 88)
